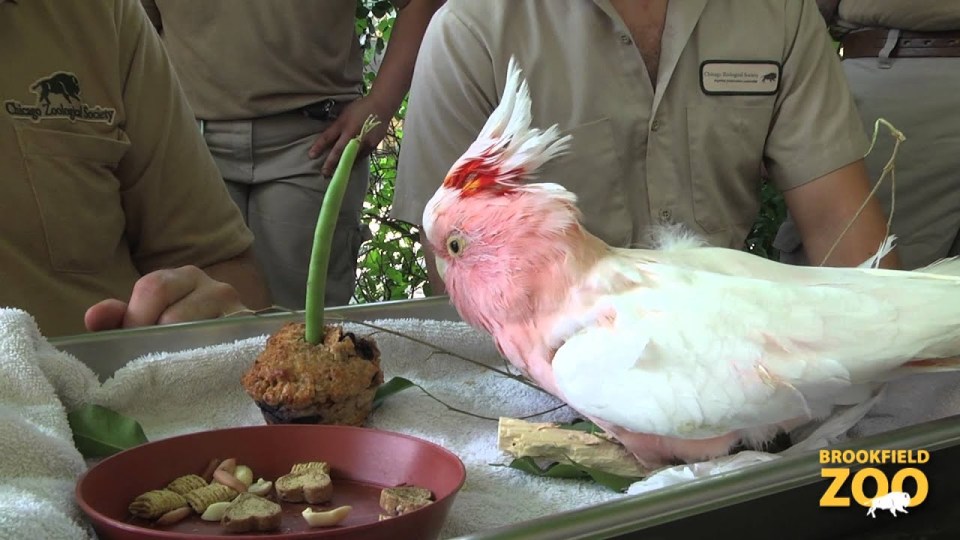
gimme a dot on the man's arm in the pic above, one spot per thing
(244, 274)
(389, 87)
(179, 217)
(815, 148)
(825, 207)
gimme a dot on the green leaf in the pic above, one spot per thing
(389, 388)
(573, 471)
(554, 470)
(581, 425)
(100, 432)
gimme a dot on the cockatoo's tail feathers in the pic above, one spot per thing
(885, 248)
(507, 150)
(946, 267)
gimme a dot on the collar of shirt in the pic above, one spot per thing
(680, 21)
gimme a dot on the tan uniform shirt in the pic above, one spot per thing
(242, 59)
(640, 154)
(105, 176)
(917, 15)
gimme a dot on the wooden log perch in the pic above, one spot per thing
(520, 438)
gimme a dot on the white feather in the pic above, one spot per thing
(696, 353)
(508, 138)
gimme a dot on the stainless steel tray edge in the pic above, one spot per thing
(635, 513)
(105, 352)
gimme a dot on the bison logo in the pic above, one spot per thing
(769, 77)
(894, 501)
(60, 83)
(58, 97)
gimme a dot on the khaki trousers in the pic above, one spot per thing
(921, 98)
(279, 191)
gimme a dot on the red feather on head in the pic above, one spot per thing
(483, 173)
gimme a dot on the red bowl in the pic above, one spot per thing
(362, 461)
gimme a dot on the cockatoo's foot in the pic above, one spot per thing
(654, 451)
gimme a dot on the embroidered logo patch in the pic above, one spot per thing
(740, 77)
(59, 96)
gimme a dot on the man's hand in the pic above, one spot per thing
(346, 127)
(166, 296)
(389, 88)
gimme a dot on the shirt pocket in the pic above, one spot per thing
(77, 195)
(592, 169)
(726, 152)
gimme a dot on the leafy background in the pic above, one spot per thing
(391, 263)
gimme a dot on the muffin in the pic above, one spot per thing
(333, 382)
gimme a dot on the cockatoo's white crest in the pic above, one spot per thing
(507, 150)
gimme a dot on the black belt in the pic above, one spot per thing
(869, 43)
(326, 110)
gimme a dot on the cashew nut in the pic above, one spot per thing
(326, 519)
(229, 480)
(261, 487)
(215, 511)
(228, 465)
(174, 516)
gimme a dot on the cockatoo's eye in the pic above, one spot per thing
(455, 245)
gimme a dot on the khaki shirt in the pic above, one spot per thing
(243, 59)
(640, 155)
(105, 176)
(916, 15)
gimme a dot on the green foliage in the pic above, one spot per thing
(391, 387)
(391, 265)
(100, 432)
(773, 210)
(573, 471)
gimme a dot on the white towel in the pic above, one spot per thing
(39, 464)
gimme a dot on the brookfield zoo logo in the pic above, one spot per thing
(891, 495)
(59, 96)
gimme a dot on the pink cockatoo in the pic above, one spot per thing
(680, 352)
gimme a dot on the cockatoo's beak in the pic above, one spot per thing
(441, 267)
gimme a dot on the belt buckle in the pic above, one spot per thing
(322, 110)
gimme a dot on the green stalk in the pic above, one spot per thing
(323, 236)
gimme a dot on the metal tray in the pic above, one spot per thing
(778, 499)
(106, 352)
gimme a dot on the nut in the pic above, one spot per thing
(261, 488)
(215, 511)
(326, 519)
(244, 474)
(221, 476)
(229, 465)
(174, 516)
(208, 472)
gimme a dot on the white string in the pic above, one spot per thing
(888, 168)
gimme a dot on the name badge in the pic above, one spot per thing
(739, 77)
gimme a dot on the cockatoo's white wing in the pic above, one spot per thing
(695, 354)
